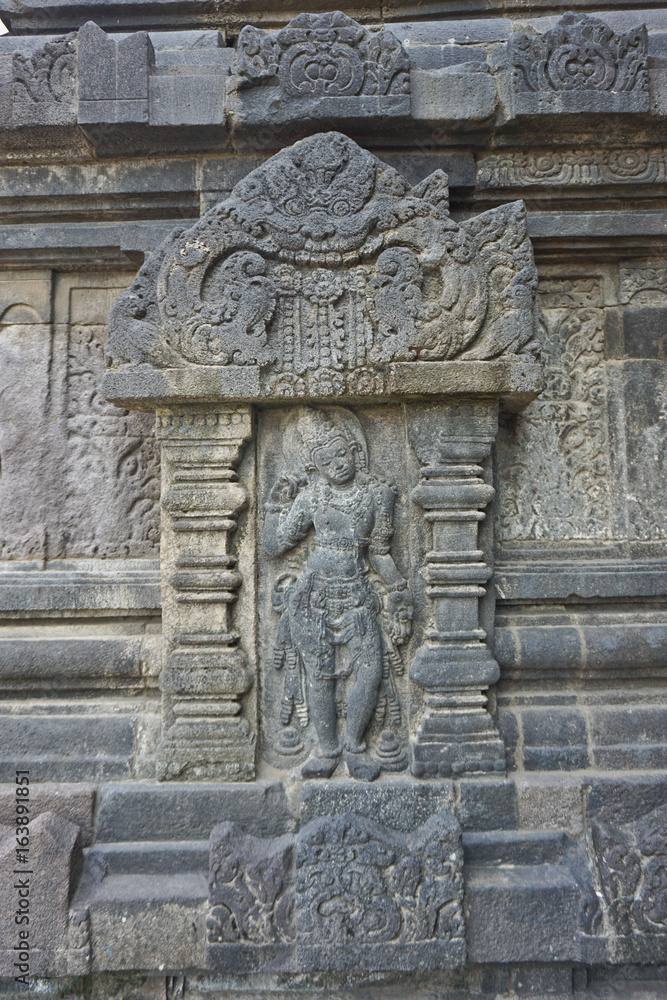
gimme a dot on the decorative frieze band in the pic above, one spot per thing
(573, 167)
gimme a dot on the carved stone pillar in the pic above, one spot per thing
(206, 733)
(454, 667)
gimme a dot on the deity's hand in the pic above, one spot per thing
(284, 490)
(400, 608)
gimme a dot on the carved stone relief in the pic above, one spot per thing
(582, 57)
(573, 167)
(349, 70)
(345, 893)
(113, 461)
(554, 466)
(44, 84)
(326, 278)
(342, 607)
(322, 269)
(631, 859)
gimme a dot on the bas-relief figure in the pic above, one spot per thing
(326, 275)
(332, 607)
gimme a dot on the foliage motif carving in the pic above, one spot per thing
(553, 459)
(332, 607)
(632, 864)
(324, 55)
(580, 53)
(115, 454)
(644, 281)
(357, 880)
(324, 263)
(342, 880)
(250, 888)
(46, 78)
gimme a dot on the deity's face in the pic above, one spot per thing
(335, 461)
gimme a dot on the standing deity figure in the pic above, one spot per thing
(331, 615)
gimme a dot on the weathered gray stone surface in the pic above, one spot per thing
(352, 677)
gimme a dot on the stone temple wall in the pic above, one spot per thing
(333, 500)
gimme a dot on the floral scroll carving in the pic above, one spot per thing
(632, 865)
(554, 459)
(323, 267)
(46, 80)
(324, 55)
(581, 53)
(343, 893)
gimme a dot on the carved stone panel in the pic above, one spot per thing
(325, 64)
(581, 65)
(345, 893)
(326, 280)
(554, 467)
(113, 461)
(112, 458)
(337, 560)
(325, 275)
(631, 859)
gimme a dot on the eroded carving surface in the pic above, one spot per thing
(554, 459)
(338, 640)
(325, 55)
(580, 53)
(323, 267)
(344, 893)
(632, 865)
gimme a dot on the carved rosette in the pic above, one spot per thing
(206, 733)
(454, 667)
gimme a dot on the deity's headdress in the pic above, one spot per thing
(314, 428)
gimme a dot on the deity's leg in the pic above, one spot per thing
(365, 650)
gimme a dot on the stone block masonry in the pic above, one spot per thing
(333, 533)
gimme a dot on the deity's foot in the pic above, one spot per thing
(362, 766)
(319, 767)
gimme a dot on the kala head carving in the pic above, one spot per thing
(321, 270)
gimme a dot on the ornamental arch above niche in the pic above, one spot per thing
(322, 586)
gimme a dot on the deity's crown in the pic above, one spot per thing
(316, 430)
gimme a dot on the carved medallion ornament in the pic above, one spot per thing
(322, 269)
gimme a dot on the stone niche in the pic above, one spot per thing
(327, 352)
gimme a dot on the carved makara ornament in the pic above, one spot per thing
(329, 491)
(325, 264)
